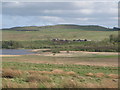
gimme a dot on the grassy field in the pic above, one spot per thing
(69, 34)
(61, 65)
(77, 70)
(90, 32)
(31, 75)
(99, 38)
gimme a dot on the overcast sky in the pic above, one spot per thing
(51, 13)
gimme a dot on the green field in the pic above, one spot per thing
(57, 76)
(91, 64)
(32, 71)
(69, 32)
(46, 35)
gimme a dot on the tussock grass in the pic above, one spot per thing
(38, 78)
(10, 84)
(115, 76)
(91, 85)
(71, 73)
(9, 73)
(107, 83)
(99, 75)
(47, 85)
(69, 83)
(55, 71)
(58, 71)
(39, 72)
(90, 74)
(57, 76)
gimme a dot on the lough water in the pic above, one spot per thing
(15, 51)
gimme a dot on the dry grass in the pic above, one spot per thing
(99, 74)
(71, 73)
(91, 85)
(108, 83)
(39, 72)
(115, 76)
(33, 85)
(9, 73)
(48, 85)
(58, 71)
(69, 83)
(10, 84)
(90, 74)
(38, 78)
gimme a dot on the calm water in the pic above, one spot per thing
(15, 51)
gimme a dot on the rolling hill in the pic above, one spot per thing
(62, 26)
(28, 33)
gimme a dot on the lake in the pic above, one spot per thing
(16, 51)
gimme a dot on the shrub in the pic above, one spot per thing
(11, 44)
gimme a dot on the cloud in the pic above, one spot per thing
(87, 11)
(39, 13)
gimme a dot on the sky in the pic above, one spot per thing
(17, 14)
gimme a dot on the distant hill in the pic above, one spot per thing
(62, 26)
(70, 32)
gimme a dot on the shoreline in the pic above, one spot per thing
(9, 55)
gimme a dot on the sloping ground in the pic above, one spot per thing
(56, 33)
(67, 26)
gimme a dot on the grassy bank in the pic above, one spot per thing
(29, 75)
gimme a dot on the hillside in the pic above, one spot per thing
(63, 26)
(90, 32)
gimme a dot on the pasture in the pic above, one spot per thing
(77, 70)
(91, 64)
(69, 34)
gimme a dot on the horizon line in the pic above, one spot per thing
(54, 25)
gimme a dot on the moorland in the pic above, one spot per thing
(68, 56)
